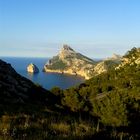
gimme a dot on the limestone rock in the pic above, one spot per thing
(32, 68)
(71, 62)
(132, 57)
(114, 57)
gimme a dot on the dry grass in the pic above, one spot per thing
(61, 127)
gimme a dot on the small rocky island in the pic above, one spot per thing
(71, 62)
(32, 68)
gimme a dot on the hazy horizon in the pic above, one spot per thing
(97, 29)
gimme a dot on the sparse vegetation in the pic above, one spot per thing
(57, 65)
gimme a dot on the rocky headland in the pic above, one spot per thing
(71, 62)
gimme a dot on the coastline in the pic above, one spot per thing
(81, 74)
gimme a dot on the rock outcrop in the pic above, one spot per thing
(32, 68)
(106, 64)
(132, 57)
(114, 57)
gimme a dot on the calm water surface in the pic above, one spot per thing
(47, 80)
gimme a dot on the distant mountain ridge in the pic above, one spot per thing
(72, 62)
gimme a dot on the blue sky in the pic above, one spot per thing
(96, 28)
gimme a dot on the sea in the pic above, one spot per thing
(46, 80)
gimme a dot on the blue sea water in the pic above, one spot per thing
(46, 80)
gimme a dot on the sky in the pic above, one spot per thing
(96, 28)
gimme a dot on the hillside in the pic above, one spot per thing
(113, 97)
(130, 58)
(105, 107)
(15, 89)
(23, 105)
(71, 62)
(30, 112)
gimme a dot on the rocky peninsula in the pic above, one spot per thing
(71, 62)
